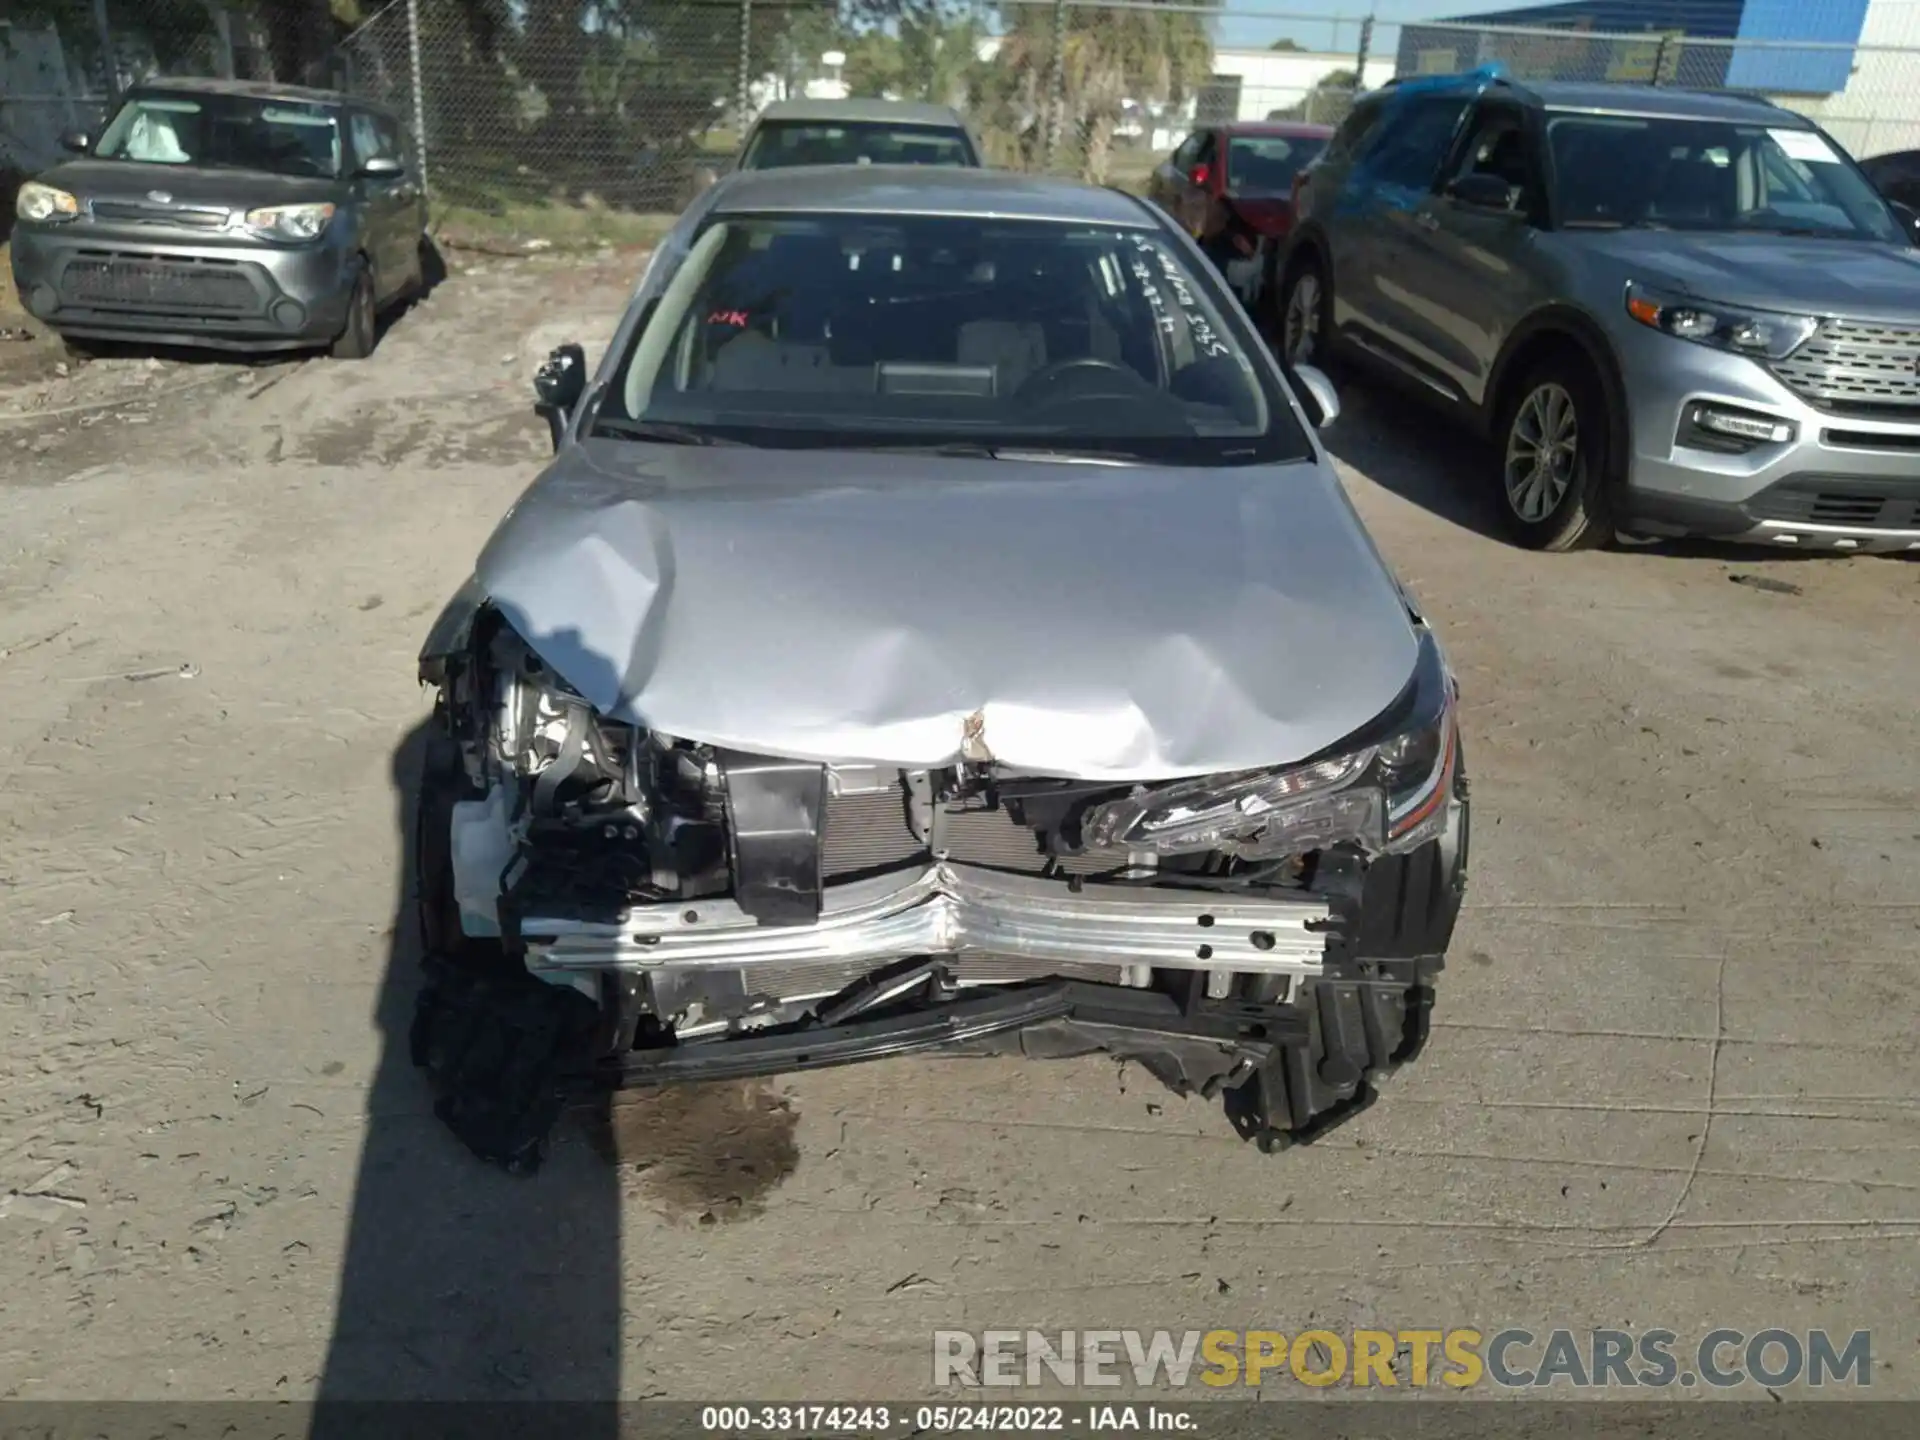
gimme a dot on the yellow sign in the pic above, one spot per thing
(1436, 62)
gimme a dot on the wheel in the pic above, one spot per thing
(361, 334)
(1555, 488)
(1305, 313)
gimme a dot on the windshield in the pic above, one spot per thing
(235, 132)
(1264, 165)
(1613, 171)
(844, 331)
(780, 143)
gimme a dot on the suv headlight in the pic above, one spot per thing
(1385, 788)
(290, 222)
(42, 202)
(1764, 334)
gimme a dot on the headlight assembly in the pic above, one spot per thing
(39, 202)
(1385, 789)
(290, 222)
(1763, 334)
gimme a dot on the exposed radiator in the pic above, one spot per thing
(870, 832)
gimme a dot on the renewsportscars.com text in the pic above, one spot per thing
(1459, 1359)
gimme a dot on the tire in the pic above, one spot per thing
(81, 351)
(1303, 327)
(362, 331)
(1554, 452)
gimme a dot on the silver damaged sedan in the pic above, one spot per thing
(939, 629)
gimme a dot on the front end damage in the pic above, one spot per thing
(603, 905)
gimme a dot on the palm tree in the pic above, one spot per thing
(1066, 74)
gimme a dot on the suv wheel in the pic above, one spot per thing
(1304, 308)
(1554, 461)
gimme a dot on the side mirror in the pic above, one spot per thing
(1908, 217)
(1317, 395)
(382, 167)
(557, 387)
(1483, 192)
(78, 141)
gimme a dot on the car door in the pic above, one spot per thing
(1468, 271)
(385, 202)
(412, 190)
(1373, 216)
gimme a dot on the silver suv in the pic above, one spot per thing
(1674, 313)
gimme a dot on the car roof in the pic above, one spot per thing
(901, 112)
(251, 89)
(1292, 129)
(927, 190)
(1620, 99)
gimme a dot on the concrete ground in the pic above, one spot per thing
(1673, 1080)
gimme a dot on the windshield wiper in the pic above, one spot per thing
(979, 450)
(659, 432)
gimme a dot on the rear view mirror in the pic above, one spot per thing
(78, 141)
(557, 387)
(1482, 192)
(1317, 395)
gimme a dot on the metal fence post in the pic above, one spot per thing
(419, 92)
(1659, 60)
(746, 61)
(1057, 83)
(1360, 59)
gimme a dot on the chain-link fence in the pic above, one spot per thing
(1867, 96)
(592, 105)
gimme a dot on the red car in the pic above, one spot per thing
(1231, 186)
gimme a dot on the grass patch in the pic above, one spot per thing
(523, 225)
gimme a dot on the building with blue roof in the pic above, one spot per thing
(1777, 47)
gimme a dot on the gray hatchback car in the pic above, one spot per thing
(225, 214)
(1676, 313)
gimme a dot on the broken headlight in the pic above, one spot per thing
(1385, 788)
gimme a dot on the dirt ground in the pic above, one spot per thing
(1673, 1080)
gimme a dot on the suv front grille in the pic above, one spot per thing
(1854, 362)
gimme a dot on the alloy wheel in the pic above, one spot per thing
(1300, 325)
(1543, 452)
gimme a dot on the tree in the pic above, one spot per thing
(1284, 44)
(925, 50)
(1064, 82)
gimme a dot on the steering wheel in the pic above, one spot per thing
(1048, 376)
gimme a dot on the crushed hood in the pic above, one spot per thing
(1093, 621)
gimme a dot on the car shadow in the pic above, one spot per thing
(1422, 457)
(461, 1281)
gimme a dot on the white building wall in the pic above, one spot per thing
(1880, 108)
(1281, 79)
